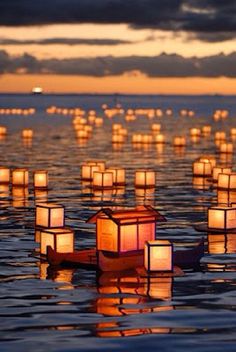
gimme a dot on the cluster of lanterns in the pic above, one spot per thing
(20, 177)
(17, 111)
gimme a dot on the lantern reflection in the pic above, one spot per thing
(201, 183)
(226, 197)
(221, 243)
(20, 197)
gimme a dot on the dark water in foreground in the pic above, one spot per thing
(79, 310)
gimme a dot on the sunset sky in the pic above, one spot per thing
(118, 46)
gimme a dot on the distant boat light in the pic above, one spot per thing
(37, 90)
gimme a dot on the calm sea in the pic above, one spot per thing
(69, 309)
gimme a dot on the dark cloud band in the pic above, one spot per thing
(209, 20)
(65, 41)
(158, 66)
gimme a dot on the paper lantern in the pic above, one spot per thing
(102, 179)
(208, 158)
(137, 138)
(201, 168)
(118, 175)
(3, 130)
(233, 131)
(219, 170)
(60, 239)
(227, 181)
(145, 178)
(222, 218)
(20, 177)
(49, 215)
(220, 136)
(206, 130)
(195, 132)
(179, 141)
(146, 138)
(27, 133)
(159, 138)
(226, 197)
(4, 175)
(118, 138)
(158, 256)
(156, 127)
(88, 170)
(125, 230)
(226, 148)
(40, 179)
(100, 163)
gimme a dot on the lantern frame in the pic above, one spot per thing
(145, 172)
(147, 252)
(25, 178)
(225, 210)
(55, 233)
(37, 173)
(6, 177)
(49, 207)
(230, 177)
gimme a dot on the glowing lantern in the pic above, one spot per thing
(20, 177)
(206, 130)
(233, 131)
(40, 179)
(226, 197)
(27, 133)
(223, 218)
(207, 159)
(49, 215)
(137, 138)
(118, 138)
(195, 132)
(201, 168)
(146, 138)
(227, 181)
(125, 230)
(60, 239)
(179, 141)
(219, 170)
(118, 175)
(158, 256)
(87, 171)
(159, 138)
(3, 130)
(100, 163)
(156, 127)
(226, 148)
(102, 179)
(4, 175)
(220, 136)
(145, 178)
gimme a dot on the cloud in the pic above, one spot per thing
(200, 17)
(65, 41)
(157, 66)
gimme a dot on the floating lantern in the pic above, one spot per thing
(4, 175)
(201, 168)
(20, 177)
(179, 141)
(49, 215)
(158, 256)
(206, 130)
(40, 179)
(137, 138)
(223, 218)
(226, 197)
(156, 127)
(220, 136)
(159, 138)
(195, 132)
(145, 178)
(233, 132)
(88, 170)
(219, 170)
(118, 175)
(60, 239)
(125, 230)
(27, 133)
(226, 148)
(146, 138)
(208, 158)
(227, 181)
(102, 179)
(118, 138)
(3, 130)
(100, 163)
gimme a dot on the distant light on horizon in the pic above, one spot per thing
(37, 90)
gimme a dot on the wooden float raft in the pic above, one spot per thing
(203, 227)
(105, 261)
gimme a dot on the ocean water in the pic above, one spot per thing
(70, 309)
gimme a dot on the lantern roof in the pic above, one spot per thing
(141, 214)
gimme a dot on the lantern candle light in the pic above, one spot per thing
(158, 256)
(4, 175)
(49, 215)
(145, 178)
(102, 179)
(223, 218)
(40, 179)
(227, 181)
(20, 177)
(60, 239)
